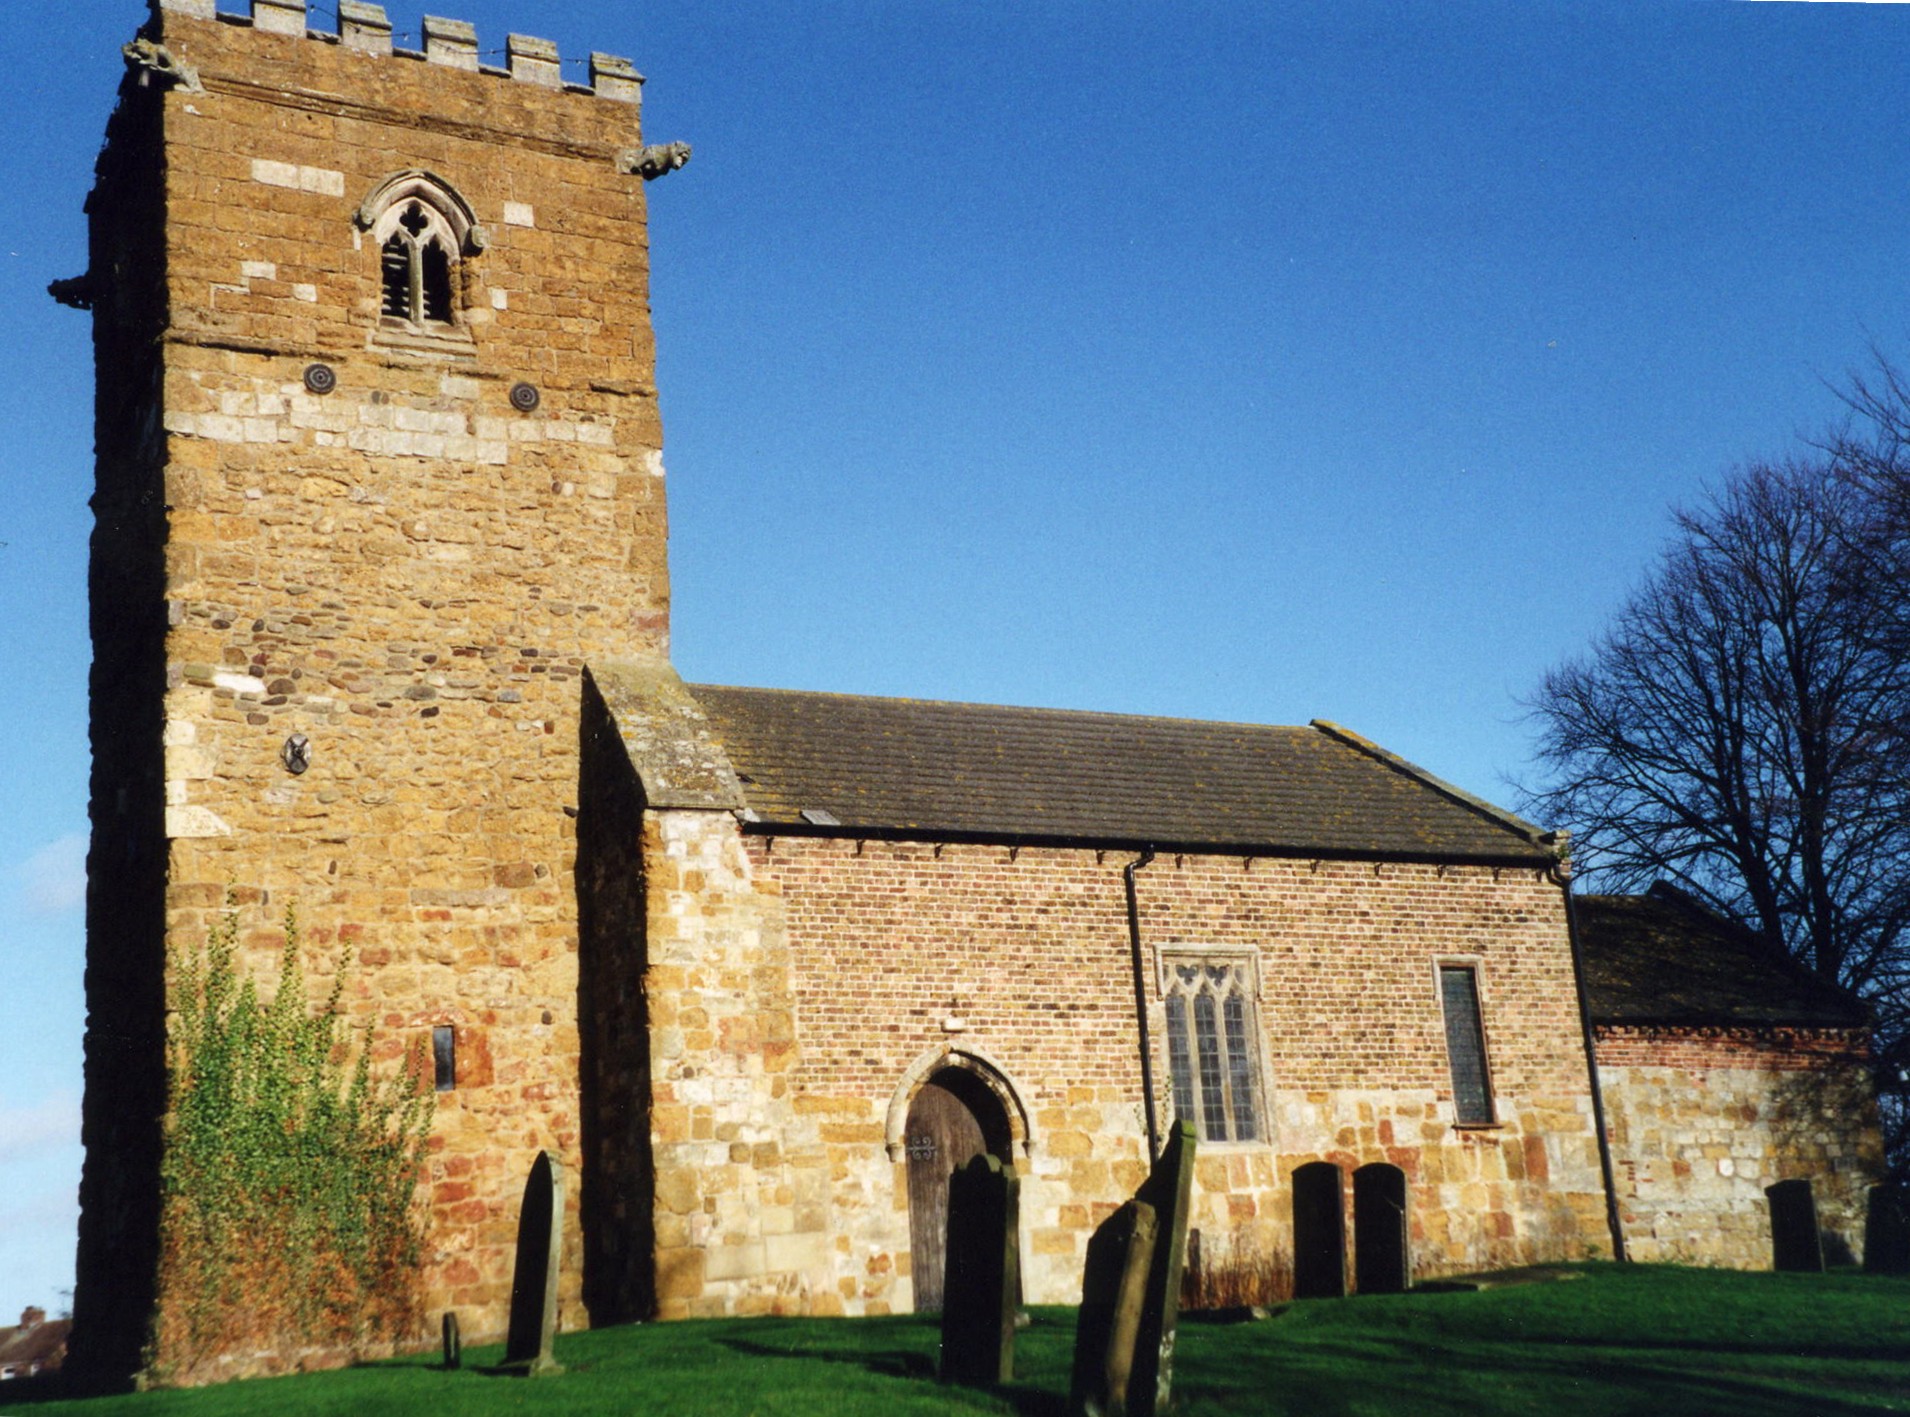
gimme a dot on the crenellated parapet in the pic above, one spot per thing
(366, 29)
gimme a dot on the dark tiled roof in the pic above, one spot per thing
(1662, 958)
(942, 770)
(41, 1344)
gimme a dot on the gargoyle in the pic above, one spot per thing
(653, 161)
(155, 62)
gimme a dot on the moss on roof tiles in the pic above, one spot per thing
(902, 766)
(1661, 958)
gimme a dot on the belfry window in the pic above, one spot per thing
(416, 270)
(423, 231)
(1213, 1047)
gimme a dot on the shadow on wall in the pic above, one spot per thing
(617, 1200)
(1823, 1128)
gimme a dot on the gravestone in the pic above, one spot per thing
(1319, 1232)
(453, 1345)
(981, 1284)
(1113, 1291)
(1381, 1259)
(1795, 1243)
(540, 1244)
(1887, 1230)
(1169, 1188)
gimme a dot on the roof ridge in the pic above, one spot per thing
(1498, 815)
(1003, 708)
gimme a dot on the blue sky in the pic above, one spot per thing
(1252, 361)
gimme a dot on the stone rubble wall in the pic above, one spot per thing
(894, 958)
(409, 570)
(1703, 1120)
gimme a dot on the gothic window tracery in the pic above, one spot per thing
(1213, 1050)
(423, 231)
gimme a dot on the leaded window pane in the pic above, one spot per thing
(1239, 1067)
(1179, 1060)
(1213, 1102)
(1212, 1047)
(1465, 1044)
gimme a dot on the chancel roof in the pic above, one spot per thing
(949, 770)
(1661, 958)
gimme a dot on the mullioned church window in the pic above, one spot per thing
(423, 229)
(1213, 1048)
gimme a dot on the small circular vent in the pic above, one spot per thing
(320, 378)
(524, 397)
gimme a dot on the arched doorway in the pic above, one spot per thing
(952, 1119)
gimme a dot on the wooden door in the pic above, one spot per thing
(942, 1134)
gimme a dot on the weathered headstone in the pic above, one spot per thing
(1169, 1188)
(1381, 1261)
(1795, 1243)
(1113, 1291)
(1887, 1230)
(453, 1345)
(982, 1278)
(540, 1243)
(1319, 1232)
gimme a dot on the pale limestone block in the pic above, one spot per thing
(220, 429)
(190, 763)
(493, 454)
(184, 424)
(279, 16)
(744, 1261)
(500, 299)
(185, 821)
(322, 180)
(797, 1252)
(597, 433)
(519, 214)
(259, 270)
(653, 463)
(275, 174)
(306, 292)
(239, 683)
(261, 430)
(456, 386)
(178, 732)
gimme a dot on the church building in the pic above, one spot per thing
(380, 612)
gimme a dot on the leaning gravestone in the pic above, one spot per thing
(1113, 1292)
(1887, 1230)
(453, 1344)
(540, 1243)
(1130, 1294)
(982, 1278)
(1169, 1188)
(1795, 1243)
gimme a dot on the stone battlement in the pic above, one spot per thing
(366, 29)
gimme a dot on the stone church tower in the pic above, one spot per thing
(379, 472)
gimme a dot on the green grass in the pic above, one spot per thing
(1644, 1339)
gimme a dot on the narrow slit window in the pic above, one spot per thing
(1466, 1045)
(1213, 1048)
(444, 1057)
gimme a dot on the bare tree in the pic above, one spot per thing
(1739, 729)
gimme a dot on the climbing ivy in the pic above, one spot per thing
(289, 1171)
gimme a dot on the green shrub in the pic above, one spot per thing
(289, 1174)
